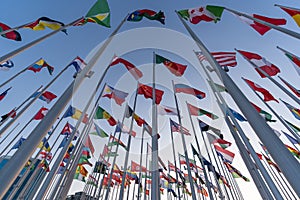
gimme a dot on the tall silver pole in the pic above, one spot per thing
(141, 162)
(288, 164)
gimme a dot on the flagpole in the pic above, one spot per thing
(272, 80)
(14, 29)
(197, 172)
(273, 111)
(184, 146)
(145, 183)
(141, 160)
(183, 181)
(278, 28)
(289, 165)
(128, 147)
(174, 157)
(155, 190)
(8, 134)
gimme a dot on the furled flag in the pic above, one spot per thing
(75, 114)
(116, 141)
(294, 127)
(68, 129)
(102, 114)
(295, 152)
(135, 167)
(5, 66)
(267, 95)
(225, 58)
(112, 93)
(294, 111)
(270, 162)
(261, 63)
(43, 22)
(136, 73)
(219, 87)
(41, 113)
(175, 68)
(45, 155)
(18, 143)
(138, 119)
(45, 96)
(88, 143)
(3, 94)
(261, 28)
(237, 115)
(205, 127)
(99, 132)
(295, 61)
(189, 90)
(267, 116)
(100, 167)
(296, 92)
(235, 173)
(198, 112)
(37, 66)
(86, 152)
(208, 13)
(124, 129)
(148, 129)
(99, 13)
(227, 155)
(11, 114)
(147, 92)
(294, 13)
(290, 138)
(12, 35)
(138, 15)
(166, 110)
(78, 64)
(175, 127)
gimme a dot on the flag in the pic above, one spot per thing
(237, 115)
(147, 92)
(138, 119)
(182, 161)
(12, 35)
(223, 143)
(294, 111)
(5, 66)
(135, 167)
(11, 114)
(205, 127)
(295, 14)
(198, 112)
(45, 96)
(45, 155)
(175, 127)
(86, 152)
(261, 28)
(227, 155)
(149, 14)
(44, 145)
(148, 128)
(166, 110)
(267, 95)
(41, 113)
(267, 116)
(122, 128)
(78, 64)
(270, 162)
(208, 13)
(75, 114)
(296, 92)
(43, 22)
(116, 141)
(81, 173)
(99, 132)
(136, 73)
(290, 138)
(189, 90)
(3, 94)
(295, 61)
(295, 152)
(100, 167)
(219, 87)
(37, 66)
(225, 58)
(88, 143)
(261, 63)
(294, 127)
(102, 114)
(235, 173)
(112, 93)
(18, 143)
(99, 13)
(84, 161)
(175, 68)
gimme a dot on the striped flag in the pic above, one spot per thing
(175, 127)
(223, 58)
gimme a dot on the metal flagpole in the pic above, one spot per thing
(145, 183)
(128, 146)
(14, 166)
(8, 134)
(288, 164)
(273, 111)
(272, 80)
(174, 157)
(14, 29)
(141, 161)
(197, 172)
(183, 181)
(155, 190)
(278, 28)
(184, 146)
(118, 187)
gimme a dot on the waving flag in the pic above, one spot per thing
(205, 127)
(135, 167)
(136, 73)
(3, 94)
(198, 112)
(261, 63)
(237, 115)
(102, 114)
(12, 35)
(124, 129)
(296, 92)
(294, 127)
(295, 152)
(43, 22)
(99, 13)
(260, 28)
(294, 13)
(18, 143)
(147, 92)
(45, 96)
(166, 110)
(175, 68)
(294, 111)
(112, 93)
(189, 90)
(219, 87)
(67, 130)
(267, 95)
(225, 58)
(75, 114)
(36, 67)
(149, 14)
(148, 128)
(88, 143)
(208, 13)
(175, 127)
(11, 114)
(116, 141)
(99, 132)
(138, 119)
(78, 64)
(41, 113)
(235, 173)
(267, 116)
(227, 155)
(295, 61)
(5, 66)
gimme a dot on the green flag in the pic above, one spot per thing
(99, 132)
(99, 13)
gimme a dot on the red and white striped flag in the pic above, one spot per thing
(223, 58)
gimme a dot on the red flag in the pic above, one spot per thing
(296, 92)
(88, 143)
(147, 92)
(267, 95)
(136, 167)
(48, 96)
(130, 67)
(41, 113)
(11, 114)
(261, 62)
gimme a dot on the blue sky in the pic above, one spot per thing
(226, 35)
